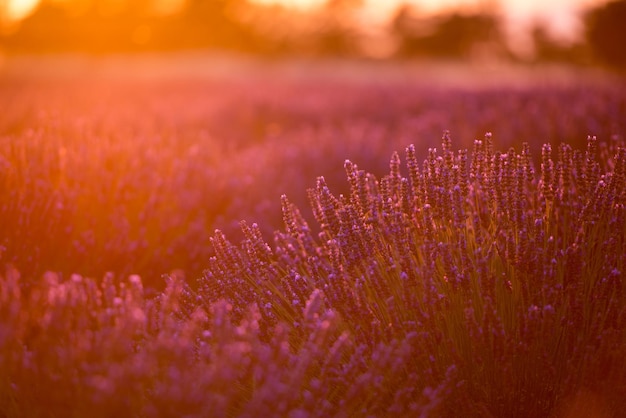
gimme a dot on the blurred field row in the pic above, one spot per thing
(199, 65)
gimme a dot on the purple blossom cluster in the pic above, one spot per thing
(482, 283)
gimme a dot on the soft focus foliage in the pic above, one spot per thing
(479, 283)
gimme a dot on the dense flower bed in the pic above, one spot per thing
(128, 176)
(479, 283)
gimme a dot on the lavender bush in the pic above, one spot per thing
(484, 284)
(127, 176)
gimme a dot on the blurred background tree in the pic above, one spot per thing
(605, 30)
(337, 33)
(448, 35)
(213, 24)
(548, 49)
(102, 26)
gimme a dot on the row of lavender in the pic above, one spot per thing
(477, 282)
(126, 176)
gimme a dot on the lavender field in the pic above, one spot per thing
(265, 240)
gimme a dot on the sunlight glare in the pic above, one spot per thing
(299, 4)
(18, 9)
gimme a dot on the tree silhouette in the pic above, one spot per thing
(452, 35)
(337, 34)
(605, 30)
(550, 49)
(214, 24)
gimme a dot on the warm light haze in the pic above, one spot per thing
(562, 15)
(312, 208)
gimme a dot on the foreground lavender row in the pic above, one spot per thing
(476, 283)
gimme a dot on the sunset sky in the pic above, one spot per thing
(561, 14)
